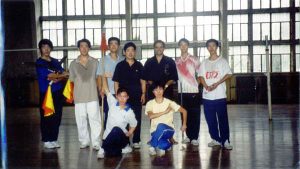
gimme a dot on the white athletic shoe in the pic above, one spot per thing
(161, 152)
(227, 145)
(127, 149)
(213, 143)
(186, 141)
(82, 146)
(136, 145)
(100, 153)
(55, 143)
(195, 142)
(152, 151)
(48, 145)
(96, 147)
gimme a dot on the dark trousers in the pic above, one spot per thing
(137, 109)
(50, 125)
(217, 119)
(191, 102)
(115, 141)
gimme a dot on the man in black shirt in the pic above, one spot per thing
(129, 74)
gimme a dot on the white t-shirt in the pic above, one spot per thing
(212, 72)
(118, 117)
(155, 107)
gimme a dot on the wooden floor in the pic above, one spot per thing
(258, 143)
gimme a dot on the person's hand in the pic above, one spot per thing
(214, 86)
(183, 127)
(208, 88)
(143, 98)
(101, 92)
(108, 75)
(128, 134)
(65, 74)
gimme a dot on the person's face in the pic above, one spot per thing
(159, 49)
(122, 98)
(158, 92)
(130, 53)
(113, 46)
(183, 47)
(45, 50)
(84, 48)
(212, 47)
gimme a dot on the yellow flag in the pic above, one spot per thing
(48, 105)
(68, 91)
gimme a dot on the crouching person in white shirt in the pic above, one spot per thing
(161, 111)
(116, 136)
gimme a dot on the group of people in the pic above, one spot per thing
(126, 84)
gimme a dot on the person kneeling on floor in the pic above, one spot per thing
(160, 110)
(116, 136)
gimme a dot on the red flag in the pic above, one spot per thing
(103, 46)
(68, 91)
(48, 105)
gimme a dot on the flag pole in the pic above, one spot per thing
(268, 79)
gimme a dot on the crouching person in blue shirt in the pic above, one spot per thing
(116, 136)
(161, 111)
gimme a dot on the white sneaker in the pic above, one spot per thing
(195, 142)
(152, 151)
(48, 145)
(82, 146)
(169, 149)
(96, 147)
(100, 153)
(136, 145)
(227, 145)
(213, 143)
(186, 140)
(55, 143)
(127, 149)
(161, 152)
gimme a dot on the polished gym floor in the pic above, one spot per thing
(258, 143)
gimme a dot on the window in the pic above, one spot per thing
(207, 5)
(207, 27)
(237, 27)
(297, 25)
(184, 5)
(261, 26)
(53, 30)
(280, 3)
(259, 59)
(203, 53)
(184, 28)
(89, 29)
(146, 54)
(280, 26)
(258, 4)
(297, 58)
(52, 7)
(280, 58)
(116, 27)
(166, 6)
(238, 58)
(142, 6)
(83, 7)
(57, 54)
(143, 30)
(114, 7)
(237, 4)
(166, 29)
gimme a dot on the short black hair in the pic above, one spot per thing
(114, 39)
(183, 40)
(84, 40)
(159, 41)
(121, 90)
(45, 42)
(212, 41)
(129, 44)
(156, 85)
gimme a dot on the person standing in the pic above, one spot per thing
(160, 69)
(188, 68)
(110, 62)
(129, 74)
(49, 69)
(83, 74)
(214, 71)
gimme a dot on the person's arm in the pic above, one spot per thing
(184, 118)
(152, 115)
(130, 131)
(202, 81)
(169, 83)
(143, 86)
(215, 85)
(116, 86)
